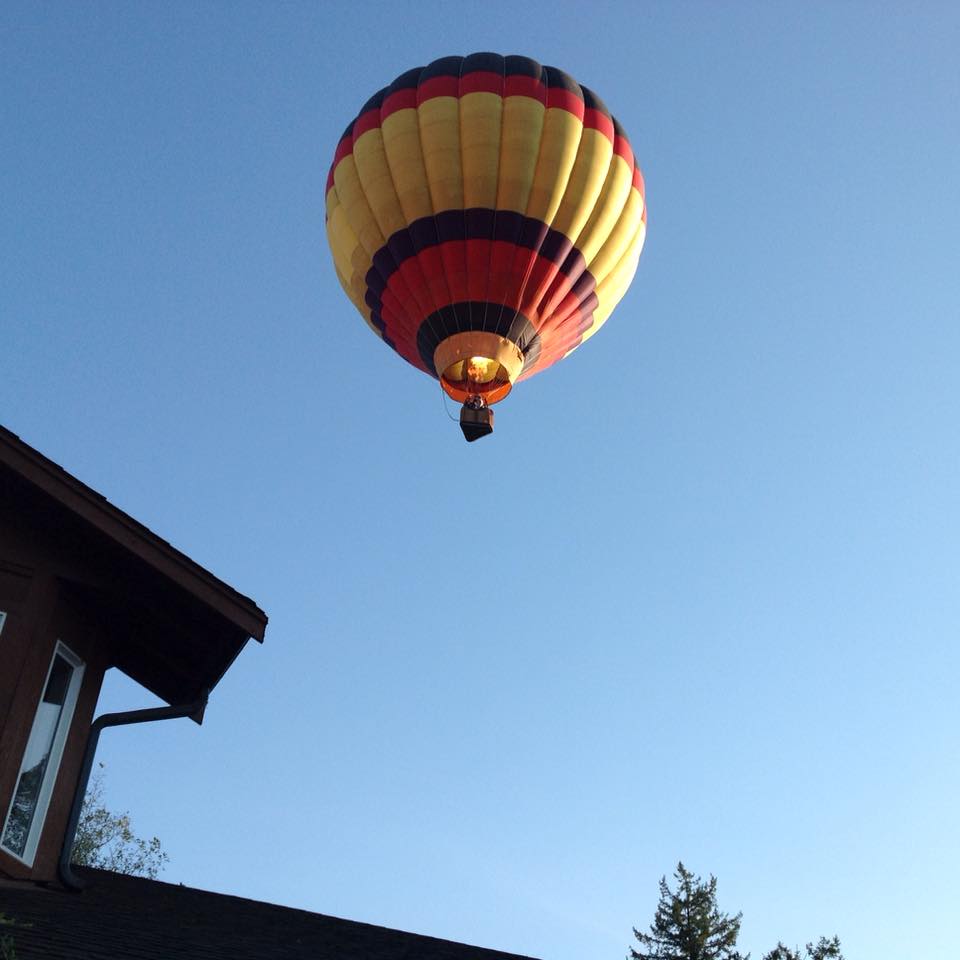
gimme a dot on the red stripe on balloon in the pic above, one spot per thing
(556, 300)
(622, 148)
(502, 255)
(481, 81)
(428, 263)
(454, 256)
(404, 343)
(555, 345)
(437, 87)
(344, 148)
(520, 86)
(567, 310)
(458, 271)
(595, 120)
(399, 100)
(565, 100)
(413, 290)
(478, 254)
(365, 122)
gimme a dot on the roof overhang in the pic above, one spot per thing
(173, 626)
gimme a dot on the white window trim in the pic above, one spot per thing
(56, 755)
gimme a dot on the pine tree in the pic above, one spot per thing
(823, 949)
(688, 924)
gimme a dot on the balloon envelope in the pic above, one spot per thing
(485, 214)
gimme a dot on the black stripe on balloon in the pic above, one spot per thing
(558, 80)
(515, 66)
(375, 101)
(515, 327)
(512, 66)
(444, 67)
(487, 62)
(477, 223)
(379, 323)
(407, 81)
(592, 102)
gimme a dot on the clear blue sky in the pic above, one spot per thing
(710, 613)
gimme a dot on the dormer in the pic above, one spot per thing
(85, 587)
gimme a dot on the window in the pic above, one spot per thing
(41, 758)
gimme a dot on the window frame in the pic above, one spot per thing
(54, 758)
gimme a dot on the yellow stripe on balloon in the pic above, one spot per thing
(558, 152)
(344, 246)
(401, 141)
(519, 148)
(353, 201)
(440, 136)
(342, 239)
(332, 200)
(480, 120)
(586, 182)
(607, 209)
(611, 291)
(620, 238)
(374, 173)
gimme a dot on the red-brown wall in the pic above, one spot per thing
(41, 609)
(74, 568)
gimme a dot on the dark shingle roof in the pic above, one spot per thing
(130, 918)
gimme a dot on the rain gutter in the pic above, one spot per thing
(192, 710)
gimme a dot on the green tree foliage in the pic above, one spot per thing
(823, 949)
(688, 924)
(106, 840)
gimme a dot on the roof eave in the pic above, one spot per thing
(131, 535)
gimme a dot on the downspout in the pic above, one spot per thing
(192, 710)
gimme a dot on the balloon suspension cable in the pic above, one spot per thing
(446, 404)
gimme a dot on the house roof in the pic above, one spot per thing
(176, 626)
(131, 918)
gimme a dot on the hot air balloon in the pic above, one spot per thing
(485, 215)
